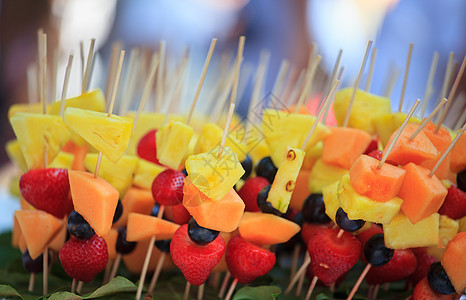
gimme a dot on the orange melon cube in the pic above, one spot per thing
(418, 150)
(422, 195)
(266, 229)
(454, 262)
(458, 155)
(301, 190)
(16, 233)
(135, 260)
(221, 215)
(344, 145)
(111, 239)
(441, 140)
(38, 228)
(59, 240)
(141, 227)
(377, 184)
(79, 153)
(95, 199)
(135, 200)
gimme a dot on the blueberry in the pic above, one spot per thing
(200, 235)
(122, 245)
(438, 279)
(461, 180)
(79, 227)
(345, 223)
(247, 166)
(375, 251)
(184, 172)
(118, 212)
(314, 209)
(264, 205)
(265, 168)
(155, 210)
(163, 245)
(33, 265)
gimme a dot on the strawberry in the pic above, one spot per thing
(373, 145)
(167, 188)
(331, 256)
(84, 259)
(147, 148)
(249, 191)
(422, 291)
(308, 230)
(402, 265)
(47, 190)
(364, 236)
(310, 276)
(177, 214)
(195, 261)
(424, 261)
(247, 261)
(454, 205)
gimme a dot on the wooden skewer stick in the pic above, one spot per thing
(259, 84)
(294, 262)
(340, 233)
(43, 71)
(299, 288)
(32, 83)
(225, 131)
(160, 74)
(32, 279)
(375, 292)
(177, 90)
(429, 88)
(73, 285)
(444, 155)
(446, 78)
(358, 283)
(130, 81)
(334, 75)
(397, 135)
(298, 87)
(87, 72)
(288, 84)
(308, 80)
(356, 84)
(116, 264)
(80, 287)
(201, 81)
(277, 86)
(451, 94)
(45, 271)
(311, 287)
(223, 288)
(340, 75)
(454, 113)
(371, 69)
(157, 271)
(426, 120)
(66, 83)
(319, 115)
(239, 59)
(81, 55)
(116, 46)
(461, 120)
(231, 289)
(405, 80)
(200, 292)
(222, 98)
(302, 269)
(186, 290)
(391, 82)
(53, 77)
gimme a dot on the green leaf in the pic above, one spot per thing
(322, 296)
(8, 291)
(258, 293)
(64, 296)
(117, 285)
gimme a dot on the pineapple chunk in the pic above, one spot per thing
(448, 228)
(329, 192)
(366, 107)
(93, 100)
(172, 142)
(386, 124)
(323, 174)
(462, 224)
(37, 134)
(282, 129)
(213, 176)
(13, 187)
(402, 234)
(361, 207)
(119, 174)
(64, 160)
(145, 173)
(35, 108)
(312, 155)
(285, 180)
(13, 150)
(109, 135)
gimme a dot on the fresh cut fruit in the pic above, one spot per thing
(91, 100)
(386, 124)
(441, 140)
(330, 195)
(172, 141)
(135, 200)
(141, 227)
(454, 262)
(323, 174)
(458, 155)
(145, 173)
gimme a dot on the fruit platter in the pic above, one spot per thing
(351, 200)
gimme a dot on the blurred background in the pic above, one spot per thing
(283, 29)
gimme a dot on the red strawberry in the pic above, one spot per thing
(47, 190)
(454, 205)
(308, 230)
(364, 236)
(177, 214)
(422, 291)
(402, 265)
(167, 188)
(424, 261)
(83, 259)
(310, 276)
(247, 261)
(373, 145)
(147, 148)
(331, 257)
(195, 261)
(249, 191)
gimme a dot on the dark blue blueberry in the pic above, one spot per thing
(184, 172)
(155, 210)
(122, 245)
(461, 180)
(314, 209)
(163, 245)
(375, 251)
(264, 205)
(33, 265)
(438, 279)
(118, 212)
(346, 224)
(265, 168)
(79, 227)
(200, 235)
(247, 166)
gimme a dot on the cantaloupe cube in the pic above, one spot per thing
(361, 207)
(386, 124)
(79, 153)
(135, 200)
(95, 199)
(402, 234)
(344, 145)
(141, 227)
(221, 215)
(135, 259)
(145, 173)
(454, 262)
(323, 174)
(16, 233)
(266, 229)
(59, 240)
(458, 155)
(38, 228)
(441, 141)
(301, 190)
(111, 239)
(377, 184)
(422, 195)
(332, 204)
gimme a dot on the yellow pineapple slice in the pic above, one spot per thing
(145, 173)
(366, 106)
(329, 193)
(214, 176)
(448, 228)
(14, 152)
(402, 234)
(64, 160)
(386, 124)
(361, 207)
(285, 179)
(323, 175)
(37, 134)
(93, 100)
(172, 141)
(35, 108)
(119, 174)
(109, 135)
